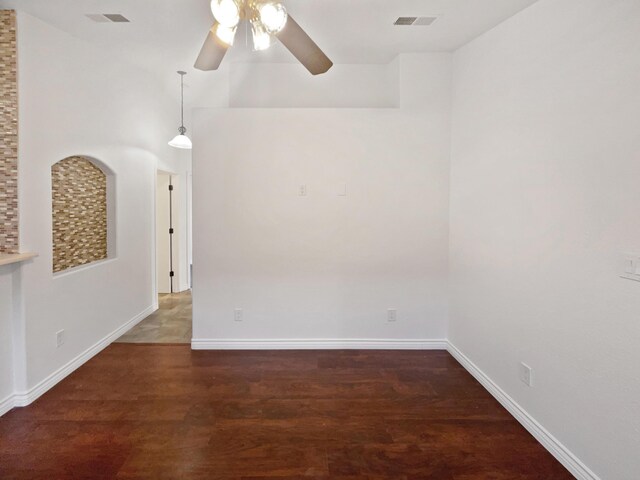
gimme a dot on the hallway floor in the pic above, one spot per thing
(165, 412)
(171, 323)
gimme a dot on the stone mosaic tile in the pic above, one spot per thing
(8, 134)
(79, 204)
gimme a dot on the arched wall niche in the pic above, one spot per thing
(83, 212)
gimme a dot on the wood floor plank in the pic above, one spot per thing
(160, 412)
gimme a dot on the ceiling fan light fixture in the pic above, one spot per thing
(226, 34)
(261, 38)
(269, 20)
(273, 16)
(226, 12)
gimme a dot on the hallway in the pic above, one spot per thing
(171, 323)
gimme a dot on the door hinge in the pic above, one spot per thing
(170, 187)
(171, 274)
(171, 231)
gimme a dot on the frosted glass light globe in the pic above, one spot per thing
(273, 16)
(226, 12)
(226, 34)
(181, 141)
(261, 38)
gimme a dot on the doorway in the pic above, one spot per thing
(171, 322)
(167, 239)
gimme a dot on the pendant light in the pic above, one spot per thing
(181, 140)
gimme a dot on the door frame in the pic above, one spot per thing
(154, 250)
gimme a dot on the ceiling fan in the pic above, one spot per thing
(268, 20)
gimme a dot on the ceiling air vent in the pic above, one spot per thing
(424, 21)
(405, 20)
(97, 17)
(107, 17)
(116, 18)
(415, 21)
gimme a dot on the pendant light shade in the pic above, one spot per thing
(181, 140)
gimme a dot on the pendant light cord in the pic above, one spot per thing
(181, 140)
(182, 129)
(182, 99)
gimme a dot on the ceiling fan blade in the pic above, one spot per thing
(303, 48)
(211, 54)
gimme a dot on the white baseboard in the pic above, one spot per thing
(548, 441)
(318, 344)
(22, 399)
(7, 404)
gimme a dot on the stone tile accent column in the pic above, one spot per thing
(8, 134)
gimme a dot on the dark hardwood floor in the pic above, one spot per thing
(165, 412)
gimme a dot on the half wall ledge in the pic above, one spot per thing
(9, 258)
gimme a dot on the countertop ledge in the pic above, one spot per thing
(9, 258)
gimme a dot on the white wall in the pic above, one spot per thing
(291, 85)
(6, 333)
(544, 196)
(284, 85)
(75, 100)
(323, 266)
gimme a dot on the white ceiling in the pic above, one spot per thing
(166, 35)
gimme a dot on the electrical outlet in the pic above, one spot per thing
(302, 191)
(59, 338)
(237, 315)
(526, 374)
(392, 315)
(630, 265)
(630, 268)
